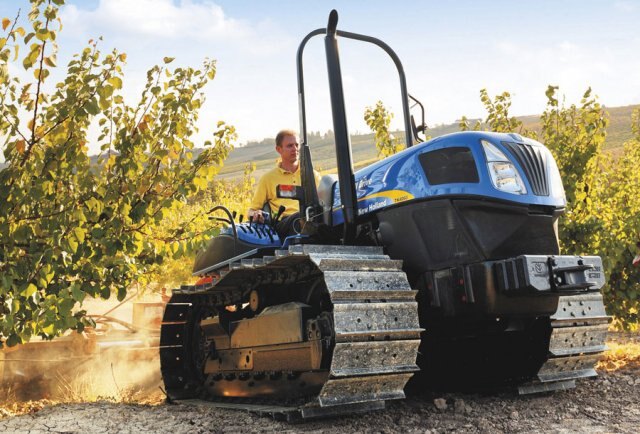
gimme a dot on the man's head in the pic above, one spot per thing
(287, 146)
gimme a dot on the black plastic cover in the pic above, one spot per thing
(443, 233)
(220, 249)
(449, 165)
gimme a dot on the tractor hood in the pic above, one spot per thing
(499, 166)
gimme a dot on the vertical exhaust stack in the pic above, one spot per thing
(341, 132)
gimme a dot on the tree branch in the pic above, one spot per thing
(35, 110)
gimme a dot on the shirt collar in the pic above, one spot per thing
(283, 171)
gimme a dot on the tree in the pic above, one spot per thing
(70, 228)
(575, 135)
(498, 118)
(615, 205)
(379, 119)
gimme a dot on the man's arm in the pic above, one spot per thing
(259, 198)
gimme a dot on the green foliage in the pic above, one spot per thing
(498, 113)
(379, 119)
(575, 136)
(235, 195)
(69, 229)
(498, 119)
(608, 220)
(464, 125)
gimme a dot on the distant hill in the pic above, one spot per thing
(263, 155)
(618, 131)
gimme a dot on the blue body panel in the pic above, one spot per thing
(401, 178)
(258, 234)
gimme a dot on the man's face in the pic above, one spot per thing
(289, 150)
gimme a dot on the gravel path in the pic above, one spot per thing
(609, 403)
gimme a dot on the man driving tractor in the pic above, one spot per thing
(286, 172)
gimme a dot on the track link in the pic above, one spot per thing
(373, 348)
(578, 334)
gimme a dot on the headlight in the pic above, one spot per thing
(504, 175)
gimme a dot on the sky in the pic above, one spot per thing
(450, 50)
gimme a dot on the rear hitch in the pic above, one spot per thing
(570, 277)
(542, 274)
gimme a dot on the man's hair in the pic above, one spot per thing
(282, 134)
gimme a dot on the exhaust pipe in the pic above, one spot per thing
(341, 133)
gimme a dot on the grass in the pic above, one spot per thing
(96, 387)
(110, 377)
(84, 390)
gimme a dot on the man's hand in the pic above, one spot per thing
(256, 215)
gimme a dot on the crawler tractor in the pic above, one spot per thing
(440, 263)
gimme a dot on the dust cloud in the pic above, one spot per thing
(116, 361)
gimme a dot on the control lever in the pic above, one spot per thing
(250, 222)
(278, 214)
(220, 219)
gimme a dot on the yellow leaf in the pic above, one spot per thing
(20, 146)
(116, 82)
(29, 290)
(5, 23)
(142, 188)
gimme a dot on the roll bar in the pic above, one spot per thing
(341, 133)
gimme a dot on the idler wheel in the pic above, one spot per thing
(257, 300)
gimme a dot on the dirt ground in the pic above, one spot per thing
(608, 403)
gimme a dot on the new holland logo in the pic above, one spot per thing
(539, 268)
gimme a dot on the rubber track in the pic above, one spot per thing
(374, 315)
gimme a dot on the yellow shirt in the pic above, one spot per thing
(266, 191)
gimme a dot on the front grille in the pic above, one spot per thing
(533, 161)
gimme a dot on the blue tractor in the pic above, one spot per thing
(436, 267)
